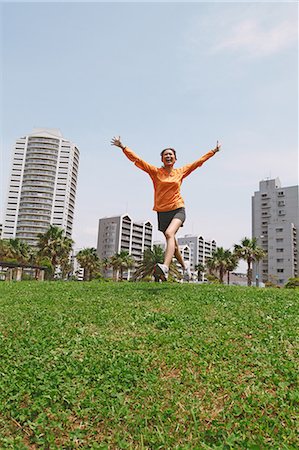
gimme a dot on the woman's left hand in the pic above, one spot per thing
(217, 148)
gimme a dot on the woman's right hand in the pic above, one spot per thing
(117, 142)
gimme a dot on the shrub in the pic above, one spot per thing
(292, 283)
(212, 279)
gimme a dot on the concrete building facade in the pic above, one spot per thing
(275, 219)
(42, 186)
(200, 249)
(122, 233)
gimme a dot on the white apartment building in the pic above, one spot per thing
(122, 233)
(275, 220)
(42, 186)
(200, 249)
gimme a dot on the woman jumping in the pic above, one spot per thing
(168, 201)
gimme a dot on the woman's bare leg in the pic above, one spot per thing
(171, 242)
(178, 255)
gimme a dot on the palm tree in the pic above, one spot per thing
(210, 264)
(146, 267)
(54, 245)
(200, 268)
(115, 264)
(231, 264)
(5, 250)
(220, 259)
(37, 259)
(89, 261)
(126, 262)
(21, 253)
(49, 243)
(151, 257)
(249, 251)
(120, 262)
(17, 252)
(20, 250)
(106, 264)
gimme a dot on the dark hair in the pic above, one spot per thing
(169, 148)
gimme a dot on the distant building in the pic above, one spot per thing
(77, 270)
(42, 186)
(122, 233)
(275, 220)
(200, 249)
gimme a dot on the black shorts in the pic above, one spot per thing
(165, 217)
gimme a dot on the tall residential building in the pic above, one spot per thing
(200, 249)
(275, 220)
(121, 233)
(42, 187)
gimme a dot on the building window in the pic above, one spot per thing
(279, 270)
(279, 250)
(279, 230)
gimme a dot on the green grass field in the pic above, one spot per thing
(147, 366)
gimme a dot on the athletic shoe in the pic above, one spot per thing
(161, 271)
(187, 272)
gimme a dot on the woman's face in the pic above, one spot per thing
(168, 158)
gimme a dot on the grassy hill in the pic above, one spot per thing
(147, 366)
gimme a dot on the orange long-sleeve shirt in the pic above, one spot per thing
(166, 185)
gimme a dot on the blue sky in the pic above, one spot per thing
(158, 74)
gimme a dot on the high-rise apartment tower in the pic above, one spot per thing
(42, 187)
(275, 221)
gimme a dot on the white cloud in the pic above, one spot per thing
(249, 30)
(255, 39)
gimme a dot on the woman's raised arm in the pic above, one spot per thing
(143, 165)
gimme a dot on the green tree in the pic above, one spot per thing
(146, 267)
(90, 262)
(121, 262)
(292, 283)
(54, 245)
(115, 264)
(5, 250)
(17, 252)
(126, 262)
(21, 253)
(221, 259)
(20, 250)
(199, 268)
(231, 264)
(249, 251)
(210, 264)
